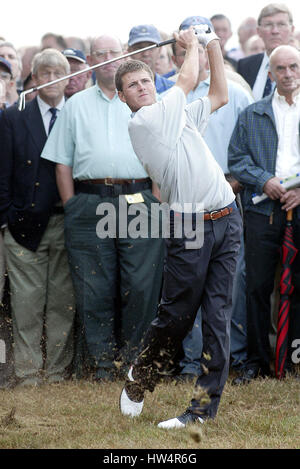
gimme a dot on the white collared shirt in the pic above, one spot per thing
(46, 114)
(261, 79)
(166, 137)
(287, 118)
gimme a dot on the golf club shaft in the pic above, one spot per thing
(21, 104)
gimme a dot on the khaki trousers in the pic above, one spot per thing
(42, 304)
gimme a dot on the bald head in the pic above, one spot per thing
(104, 39)
(281, 53)
(103, 49)
(285, 70)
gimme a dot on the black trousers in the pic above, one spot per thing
(194, 277)
(264, 236)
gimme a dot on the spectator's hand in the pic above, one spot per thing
(274, 189)
(291, 199)
(235, 185)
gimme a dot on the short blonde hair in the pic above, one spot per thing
(50, 58)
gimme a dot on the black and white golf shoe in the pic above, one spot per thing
(182, 421)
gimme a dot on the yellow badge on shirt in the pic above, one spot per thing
(134, 198)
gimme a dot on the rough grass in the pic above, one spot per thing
(85, 415)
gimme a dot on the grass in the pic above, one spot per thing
(85, 415)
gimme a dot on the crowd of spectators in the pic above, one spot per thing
(79, 305)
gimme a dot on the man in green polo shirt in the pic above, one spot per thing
(117, 279)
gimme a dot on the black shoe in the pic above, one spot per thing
(182, 421)
(246, 377)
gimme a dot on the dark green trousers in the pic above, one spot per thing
(117, 279)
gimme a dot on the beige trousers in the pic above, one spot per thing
(42, 304)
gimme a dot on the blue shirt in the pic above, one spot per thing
(162, 84)
(221, 123)
(91, 135)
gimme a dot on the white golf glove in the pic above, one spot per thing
(205, 34)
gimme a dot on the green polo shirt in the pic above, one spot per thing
(91, 136)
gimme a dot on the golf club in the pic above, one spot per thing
(22, 101)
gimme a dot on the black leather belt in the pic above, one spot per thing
(106, 188)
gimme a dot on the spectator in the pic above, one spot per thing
(9, 53)
(254, 45)
(217, 136)
(222, 27)
(273, 154)
(246, 30)
(77, 61)
(40, 284)
(164, 65)
(53, 41)
(275, 26)
(27, 54)
(294, 42)
(6, 78)
(116, 280)
(27, 85)
(2, 91)
(74, 42)
(143, 36)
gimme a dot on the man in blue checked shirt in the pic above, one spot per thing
(264, 149)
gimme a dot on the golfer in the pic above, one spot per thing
(166, 137)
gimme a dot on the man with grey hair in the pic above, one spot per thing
(264, 149)
(42, 299)
(117, 278)
(275, 27)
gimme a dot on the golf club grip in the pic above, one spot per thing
(165, 43)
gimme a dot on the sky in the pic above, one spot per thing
(24, 22)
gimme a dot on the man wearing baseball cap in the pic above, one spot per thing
(143, 36)
(78, 62)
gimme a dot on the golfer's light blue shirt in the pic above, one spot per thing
(91, 136)
(222, 122)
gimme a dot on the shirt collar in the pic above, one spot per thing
(103, 95)
(44, 107)
(281, 99)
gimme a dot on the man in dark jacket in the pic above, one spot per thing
(41, 289)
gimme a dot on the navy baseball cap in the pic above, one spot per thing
(194, 20)
(144, 33)
(75, 54)
(6, 65)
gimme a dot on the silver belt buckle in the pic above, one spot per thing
(211, 215)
